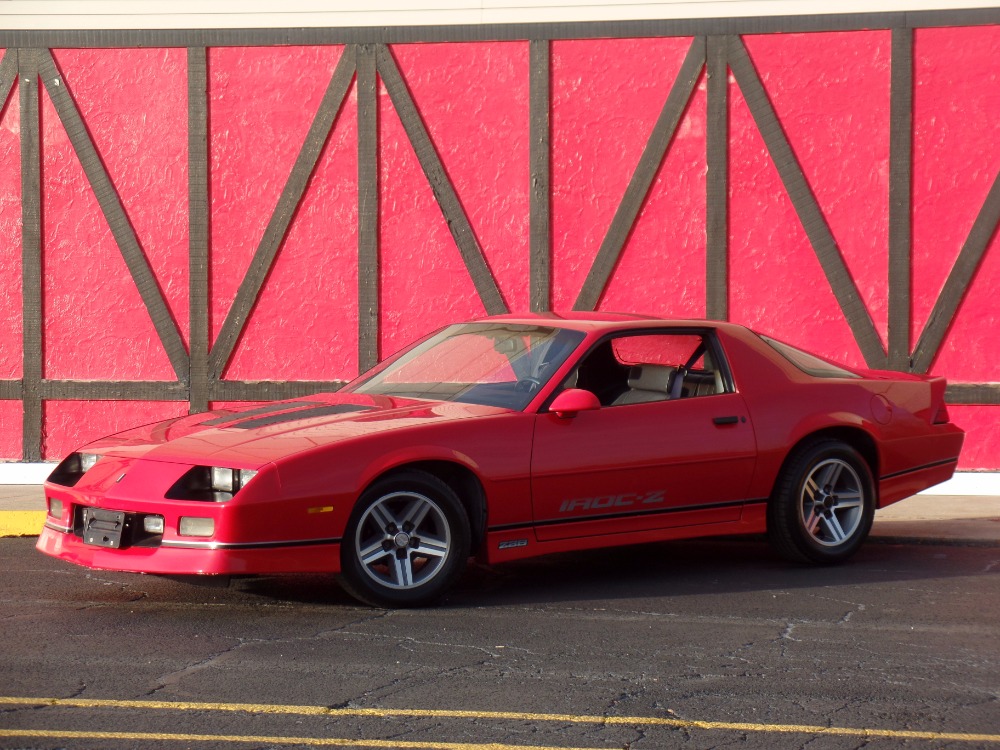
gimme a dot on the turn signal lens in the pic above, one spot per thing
(152, 524)
(196, 526)
(55, 507)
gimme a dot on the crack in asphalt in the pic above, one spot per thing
(174, 678)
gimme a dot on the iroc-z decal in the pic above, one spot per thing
(607, 502)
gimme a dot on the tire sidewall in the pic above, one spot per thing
(356, 580)
(786, 524)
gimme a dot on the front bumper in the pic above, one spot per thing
(196, 558)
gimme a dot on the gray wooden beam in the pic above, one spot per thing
(262, 390)
(11, 390)
(281, 219)
(369, 272)
(198, 226)
(951, 17)
(91, 390)
(8, 74)
(959, 279)
(115, 215)
(900, 181)
(540, 156)
(973, 394)
(437, 177)
(806, 206)
(717, 182)
(31, 255)
(642, 179)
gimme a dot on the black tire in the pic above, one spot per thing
(406, 542)
(823, 504)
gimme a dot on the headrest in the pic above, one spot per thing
(651, 378)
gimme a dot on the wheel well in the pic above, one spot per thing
(465, 484)
(858, 439)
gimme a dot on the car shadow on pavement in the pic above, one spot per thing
(697, 568)
(694, 568)
(674, 569)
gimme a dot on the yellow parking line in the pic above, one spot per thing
(384, 713)
(308, 741)
(21, 522)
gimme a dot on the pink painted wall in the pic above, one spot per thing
(829, 90)
(10, 269)
(142, 140)
(305, 325)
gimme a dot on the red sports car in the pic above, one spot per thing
(510, 437)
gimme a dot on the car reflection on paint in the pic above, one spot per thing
(506, 438)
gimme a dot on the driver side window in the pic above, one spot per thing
(635, 369)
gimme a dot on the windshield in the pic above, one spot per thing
(492, 364)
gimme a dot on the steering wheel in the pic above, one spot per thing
(527, 385)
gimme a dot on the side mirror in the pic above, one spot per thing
(572, 401)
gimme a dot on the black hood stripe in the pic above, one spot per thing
(269, 409)
(294, 416)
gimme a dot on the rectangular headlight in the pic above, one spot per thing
(230, 480)
(223, 480)
(191, 526)
(214, 484)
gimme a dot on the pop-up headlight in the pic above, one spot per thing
(210, 484)
(72, 469)
(230, 480)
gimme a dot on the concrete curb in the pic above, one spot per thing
(21, 522)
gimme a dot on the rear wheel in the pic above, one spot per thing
(406, 543)
(824, 504)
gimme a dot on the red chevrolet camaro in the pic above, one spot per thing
(510, 437)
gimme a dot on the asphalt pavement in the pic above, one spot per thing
(924, 519)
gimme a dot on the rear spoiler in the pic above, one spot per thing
(938, 412)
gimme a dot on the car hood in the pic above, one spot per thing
(253, 437)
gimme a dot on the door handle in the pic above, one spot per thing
(726, 420)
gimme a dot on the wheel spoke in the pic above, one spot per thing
(383, 517)
(811, 488)
(831, 473)
(850, 500)
(812, 522)
(833, 526)
(402, 570)
(431, 547)
(372, 553)
(416, 513)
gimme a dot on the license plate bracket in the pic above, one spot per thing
(104, 528)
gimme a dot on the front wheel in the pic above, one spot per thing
(823, 505)
(406, 543)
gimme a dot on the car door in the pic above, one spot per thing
(643, 462)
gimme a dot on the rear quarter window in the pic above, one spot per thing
(809, 363)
